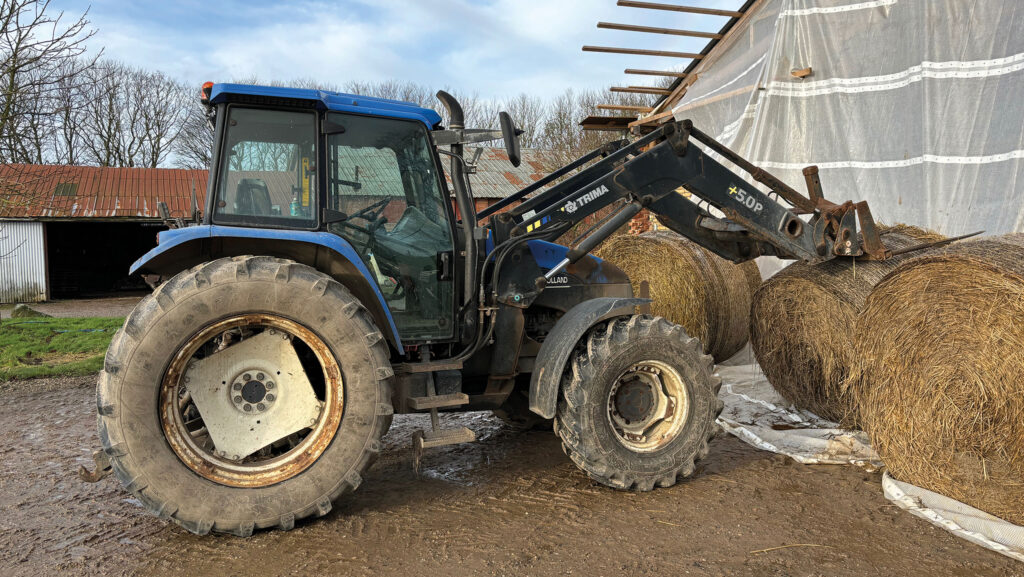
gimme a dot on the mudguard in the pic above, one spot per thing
(178, 249)
(560, 343)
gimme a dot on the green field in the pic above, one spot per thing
(43, 347)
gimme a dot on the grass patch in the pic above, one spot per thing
(45, 347)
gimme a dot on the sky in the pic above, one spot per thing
(491, 48)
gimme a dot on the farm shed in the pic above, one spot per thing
(73, 231)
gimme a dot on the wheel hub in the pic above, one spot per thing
(635, 400)
(253, 391)
(648, 405)
(238, 406)
(262, 421)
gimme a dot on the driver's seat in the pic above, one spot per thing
(252, 197)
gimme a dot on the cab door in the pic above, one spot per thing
(383, 176)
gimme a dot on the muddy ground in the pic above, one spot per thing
(510, 504)
(112, 306)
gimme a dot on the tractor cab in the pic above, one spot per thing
(360, 168)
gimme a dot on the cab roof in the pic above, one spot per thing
(326, 100)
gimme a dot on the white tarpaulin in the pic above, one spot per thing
(758, 415)
(962, 520)
(916, 106)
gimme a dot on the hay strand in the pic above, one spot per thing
(690, 286)
(801, 324)
(940, 381)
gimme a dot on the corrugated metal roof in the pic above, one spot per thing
(50, 191)
(59, 192)
(497, 178)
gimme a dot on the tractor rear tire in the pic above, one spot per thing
(133, 387)
(615, 375)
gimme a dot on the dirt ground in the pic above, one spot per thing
(510, 504)
(117, 306)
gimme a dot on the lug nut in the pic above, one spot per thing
(237, 386)
(261, 407)
(270, 398)
(238, 400)
(260, 376)
(270, 384)
(247, 377)
(247, 408)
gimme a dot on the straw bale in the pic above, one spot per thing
(801, 324)
(940, 380)
(706, 294)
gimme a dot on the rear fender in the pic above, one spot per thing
(560, 343)
(182, 248)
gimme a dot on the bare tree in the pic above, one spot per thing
(163, 105)
(39, 54)
(561, 132)
(70, 99)
(132, 116)
(529, 113)
(194, 145)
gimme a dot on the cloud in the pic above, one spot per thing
(494, 48)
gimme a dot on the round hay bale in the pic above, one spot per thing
(801, 325)
(706, 294)
(940, 381)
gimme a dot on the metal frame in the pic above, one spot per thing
(700, 198)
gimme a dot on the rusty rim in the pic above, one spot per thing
(183, 426)
(648, 406)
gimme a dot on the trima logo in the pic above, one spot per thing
(574, 205)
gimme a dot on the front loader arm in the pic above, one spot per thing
(699, 197)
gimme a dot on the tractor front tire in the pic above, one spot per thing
(638, 403)
(206, 492)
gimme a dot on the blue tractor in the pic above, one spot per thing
(329, 284)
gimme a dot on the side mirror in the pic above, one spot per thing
(511, 136)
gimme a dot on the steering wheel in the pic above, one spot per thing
(375, 220)
(371, 213)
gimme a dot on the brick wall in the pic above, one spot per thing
(640, 223)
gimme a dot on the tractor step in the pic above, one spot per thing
(430, 439)
(438, 401)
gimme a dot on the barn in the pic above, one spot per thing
(68, 231)
(73, 231)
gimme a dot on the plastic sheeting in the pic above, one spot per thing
(758, 415)
(962, 520)
(916, 106)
